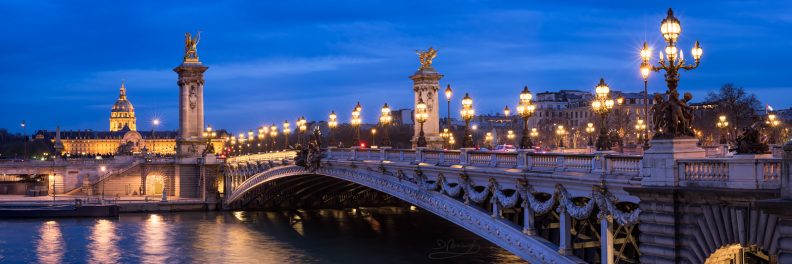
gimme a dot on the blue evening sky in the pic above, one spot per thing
(61, 62)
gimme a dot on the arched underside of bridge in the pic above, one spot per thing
(313, 191)
(357, 186)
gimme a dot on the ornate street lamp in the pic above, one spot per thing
(302, 125)
(640, 126)
(534, 133)
(723, 125)
(421, 115)
(373, 136)
(262, 133)
(509, 136)
(274, 136)
(208, 134)
(241, 140)
(448, 94)
(332, 123)
(774, 123)
(590, 130)
(446, 135)
(602, 105)
(526, 109)
(646, 68)
(467, 113)
(385, 121)
(677, 124)
(286, 132)
(488, 139)
(561, 132)
(356, 121)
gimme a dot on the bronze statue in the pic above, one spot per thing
(673, 117)
(750, 141)
(191, 46)
(310, 156)
(426, 57)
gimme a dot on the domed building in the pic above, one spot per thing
(123, 114)
(123, 135)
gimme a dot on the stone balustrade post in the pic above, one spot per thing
(441, 157)
(522, 155)
(419, 151)
(401, 155)
(565, 232)
(464, 156)
(743, 172)
(382, 153)
(354, 154)
(786, 172)
(329, 153)
(559, 163)
(493, 160)
(606, 238)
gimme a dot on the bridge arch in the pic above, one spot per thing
(479, 222)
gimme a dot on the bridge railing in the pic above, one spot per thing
(730, 173)
(610, 164)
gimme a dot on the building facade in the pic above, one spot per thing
(122, 136)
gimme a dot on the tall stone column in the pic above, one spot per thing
(426, 83)
(189, 142)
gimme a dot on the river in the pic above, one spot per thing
(361, 235)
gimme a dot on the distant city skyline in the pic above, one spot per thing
(271, 63)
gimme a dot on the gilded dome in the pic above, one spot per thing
(122, 104)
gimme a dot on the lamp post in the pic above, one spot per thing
(640, 126)
(723, 125)
(509, 136)
(671, 63)
(507, 114)
(526, 109)
(385, 120)
(646, 54)
(535, 134)
(421, 115)
(373, 136)
(467, 113)
(446, 135)
(332, 123)
(232, 145)
(241, 141)
(262, 133)
(302, 126)
(774, 123)
(488, 139)
(24, 139)
(602, 105)
(356, 121)
(250, 140)
(273, 136)
(286, 132)
(561, 132)
(448, 94)
(154, 124)
(590, 130)
(209, 134)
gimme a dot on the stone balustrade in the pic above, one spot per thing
(736, 173)
(610, 164)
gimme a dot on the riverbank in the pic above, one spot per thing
(83, 206)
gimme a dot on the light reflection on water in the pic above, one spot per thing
(304, 236)
(50, 242)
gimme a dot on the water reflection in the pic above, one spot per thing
(362, 235)
(50, 247)
(104, 242)
(154, 239)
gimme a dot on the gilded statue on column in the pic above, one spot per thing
(426, 57)
(191, 47)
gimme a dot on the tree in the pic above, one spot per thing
(738, 106)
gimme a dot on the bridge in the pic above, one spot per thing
(555, 207)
